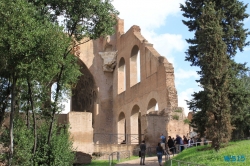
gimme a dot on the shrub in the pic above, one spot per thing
(60, 149)
(186, 121)
(175, 117)
(178, 111)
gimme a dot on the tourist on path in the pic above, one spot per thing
(171, 144)
(163, 142)
(159, 152)
(143, 152)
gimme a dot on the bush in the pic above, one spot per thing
(175, 117)
(59, 152)
(186, 121)
(178, 111)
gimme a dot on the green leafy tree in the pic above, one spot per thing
(83, 20)
(219, 33)
(35, 53)
(28, 42)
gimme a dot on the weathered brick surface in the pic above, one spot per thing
(123, 105)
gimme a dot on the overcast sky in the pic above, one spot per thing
(161, 24)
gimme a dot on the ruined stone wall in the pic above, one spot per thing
(157, 81)
(100, 88)
(178, 123)
(118, 100)
(81, 131)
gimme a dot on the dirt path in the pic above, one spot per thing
(151, 161)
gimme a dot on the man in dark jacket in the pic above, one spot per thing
(143, 152)
(178, 143)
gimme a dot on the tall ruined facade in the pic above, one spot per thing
(126, 93)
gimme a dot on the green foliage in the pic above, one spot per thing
(186, 121)
(219, 33)
(175, 117)
(178, 111)
(241, 112)
(59, 151)
(81, 18)
(35, 53)
(207, 156)
(23, 144)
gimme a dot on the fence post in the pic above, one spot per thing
(112, 158)
(118, 156)
(109, 161)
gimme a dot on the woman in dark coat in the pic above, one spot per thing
(171, 144)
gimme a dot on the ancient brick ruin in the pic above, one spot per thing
(127, 92)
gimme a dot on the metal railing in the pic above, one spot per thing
(108, 138)
(178, 148)
(118, 155)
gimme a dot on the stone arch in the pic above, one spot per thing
(135, 125)
(121, 127)
(121, 76)
(152, 105)
(84, 95)
(134, 66)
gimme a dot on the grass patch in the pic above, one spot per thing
(205, 155)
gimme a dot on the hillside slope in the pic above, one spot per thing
(235, 153)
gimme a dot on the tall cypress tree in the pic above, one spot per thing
(219, 33)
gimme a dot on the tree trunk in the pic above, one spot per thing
(34, 117)
(58, 88)
(13, 95)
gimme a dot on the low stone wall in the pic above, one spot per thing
(103, 151)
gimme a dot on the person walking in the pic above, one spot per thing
(171, 145)
(143, 152)
(163, 142)
(159, 152)
(177, 143)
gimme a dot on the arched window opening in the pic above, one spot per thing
(138, 67)
(135, 66)
(121, 128)
(135, 125)
(152, 106)
(121, 76)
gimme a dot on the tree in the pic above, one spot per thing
(82, 19)
(37, 52)
(27, 42)
(219, 33)
(241, 111)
